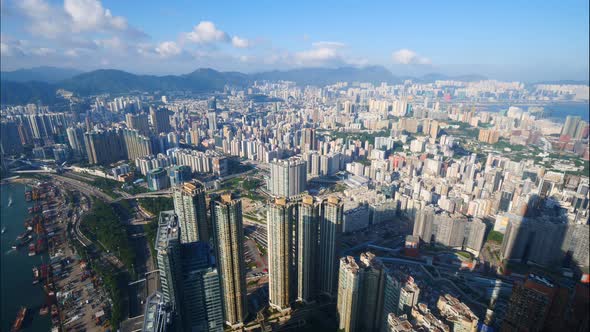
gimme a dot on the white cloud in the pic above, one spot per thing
(324, 53)
(206, 32)
(409, 57)
(240, 42)
(77, 16)
(168, 48)
(317, 55)
(87, 14)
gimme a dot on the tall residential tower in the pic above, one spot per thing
(228, 230)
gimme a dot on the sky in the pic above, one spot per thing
(506, 40)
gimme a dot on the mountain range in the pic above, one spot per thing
(40, 84)
(42, 74)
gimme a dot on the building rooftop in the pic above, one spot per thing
(167, 229)
(155, 316)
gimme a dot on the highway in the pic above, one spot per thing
(83, 187)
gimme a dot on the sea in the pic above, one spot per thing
(16, 266)
(554, 111)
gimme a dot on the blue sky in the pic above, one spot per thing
(509, 40)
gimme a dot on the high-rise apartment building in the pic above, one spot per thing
(136, 145)
(138, 122)
(570, 125)
(228, 230)
(545, 241)
(279, 222)
(307, 248)
(457, 314)
(360, 293)
(104, 146)
(157, 179)
(9, 138)
(530, 305)
(400, 295)
(454, 230)
(160, 120)
(331, 216)
(308, 142)
(76, 141)
(287, 177)
(191, 208)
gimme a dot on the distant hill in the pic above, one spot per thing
(20, 93)
(117, 81)
(40, 74)
(15, 91)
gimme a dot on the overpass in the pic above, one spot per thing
(32, 171)
(153, 194)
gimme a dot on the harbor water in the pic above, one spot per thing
(16, 266)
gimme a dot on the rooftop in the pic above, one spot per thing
(167, 229)
(155, 313)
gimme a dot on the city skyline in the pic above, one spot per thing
(334, 166)
(509, 42)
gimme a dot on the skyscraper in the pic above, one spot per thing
(191, 209)
(157, 179)
(348, 292)
(104, 146)
(138, 122)
(226, 214)
(168, 259)
(76, 141)
(307, 140)
(136, 145)
(570, 126)
(212, 114)
(280, 252)
(530, 305)
(212, 120)
(287, 177)
(9, 138)
(360, 293)
(400, 294)
(201, 292)
(332, 213)
(160, 120)
(307, 248)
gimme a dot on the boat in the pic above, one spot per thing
(10, 201)
(36, 275)
(32, 250)
(27, 239)
(24, 234)
(3, 229)
(20, 318)
(44, 310)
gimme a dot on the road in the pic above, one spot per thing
(83, 187)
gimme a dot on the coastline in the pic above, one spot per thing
(16, 267)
